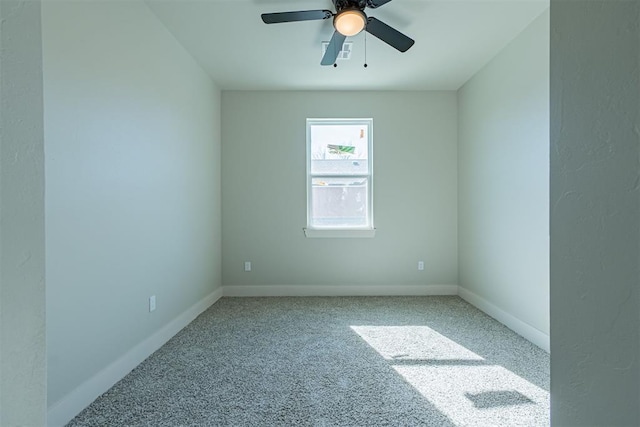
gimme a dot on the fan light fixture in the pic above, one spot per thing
(349, 22)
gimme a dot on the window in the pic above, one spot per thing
(339, 178)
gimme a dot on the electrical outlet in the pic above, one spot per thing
(152, 303)
(247, 266)
(420, 265)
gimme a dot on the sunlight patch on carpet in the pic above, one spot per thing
(467, 388)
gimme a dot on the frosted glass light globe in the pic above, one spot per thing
(349, 22)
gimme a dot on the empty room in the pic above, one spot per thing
(249, 213)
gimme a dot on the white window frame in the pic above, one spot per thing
(338, 232)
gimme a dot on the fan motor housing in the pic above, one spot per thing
(349, 4)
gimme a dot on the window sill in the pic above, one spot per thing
(336, 233)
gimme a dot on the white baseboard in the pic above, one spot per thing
(527, 331)
(64, 410)
(330, 290)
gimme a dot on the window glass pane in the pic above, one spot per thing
(339, 202)
(339, 149)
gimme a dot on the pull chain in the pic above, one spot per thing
(365, 50)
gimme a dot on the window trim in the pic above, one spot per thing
(340, 232)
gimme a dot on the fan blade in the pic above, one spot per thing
(389, 35)
(334, 48)
(302, 15)
(376, 3)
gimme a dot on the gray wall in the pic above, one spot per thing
(22, 263)
(264, 193)
(595, 215)
(504, 180)
(133, 183)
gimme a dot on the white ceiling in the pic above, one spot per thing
(454, 39)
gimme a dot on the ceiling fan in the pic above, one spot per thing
(349, 20)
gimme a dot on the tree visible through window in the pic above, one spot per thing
(339, 174)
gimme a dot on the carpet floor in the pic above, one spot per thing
(334, 361)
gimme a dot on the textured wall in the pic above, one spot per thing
(503, 163)
(22, 264)
(133, 183)
(595, 212)
(264, 190)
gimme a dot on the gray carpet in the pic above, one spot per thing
(334, 361)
